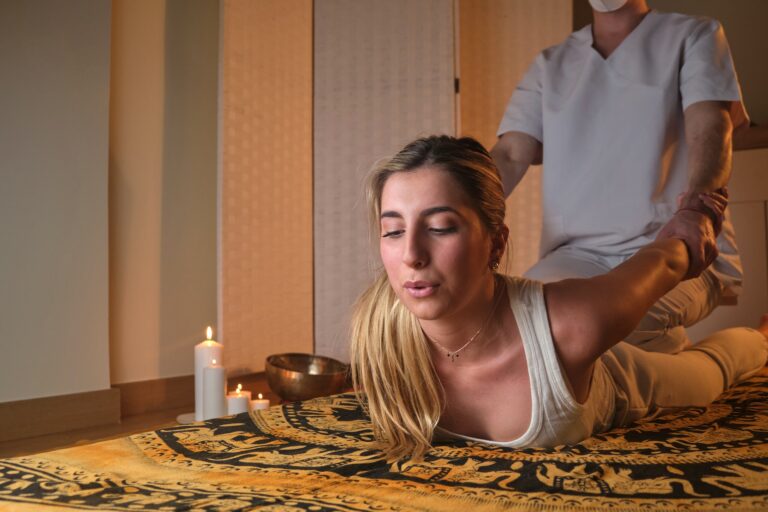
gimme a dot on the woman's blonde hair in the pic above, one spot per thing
(391, 367)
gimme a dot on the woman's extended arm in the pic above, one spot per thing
(589, 316)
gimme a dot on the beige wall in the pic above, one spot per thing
(162, 185)
(162, 174)
(133, 155)
(54, 83)
(744, 22)
(265, 187)
(136, 156)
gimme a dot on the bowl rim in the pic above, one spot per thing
(271, 362)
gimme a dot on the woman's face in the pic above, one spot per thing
(433, 245)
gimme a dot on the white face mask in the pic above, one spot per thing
(607, 5)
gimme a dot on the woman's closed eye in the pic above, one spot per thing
(443, 231)
(394, 233)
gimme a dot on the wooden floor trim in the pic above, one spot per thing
(48, 415)
(97, 414)
(137, 398)
(156, 395)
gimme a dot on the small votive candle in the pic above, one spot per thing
(260, 403)
(238, 400)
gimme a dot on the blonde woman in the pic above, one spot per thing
(445, 347)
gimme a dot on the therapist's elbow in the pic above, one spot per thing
(500, 155)
(506, 167)
(519, 147)
(513, 153)
(706, 120)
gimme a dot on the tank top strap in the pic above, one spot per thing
(544, 370)
(523, 300)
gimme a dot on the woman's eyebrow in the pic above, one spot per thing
(424, 213)
(438, 209)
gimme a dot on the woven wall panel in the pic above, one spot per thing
(383, 76)
(265, 173)
(498, 39)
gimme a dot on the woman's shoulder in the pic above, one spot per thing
(520, 282)
(522, 288)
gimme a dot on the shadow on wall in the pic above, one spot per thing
(188, 249)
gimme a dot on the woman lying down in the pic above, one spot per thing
(445, 347)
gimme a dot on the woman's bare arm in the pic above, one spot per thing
(589, 316)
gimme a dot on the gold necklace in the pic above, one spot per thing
(453, 355)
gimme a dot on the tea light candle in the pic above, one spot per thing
(205, 352)
(260, 403)
(238, 401)
(214, 389)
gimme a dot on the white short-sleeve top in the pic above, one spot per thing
(612, 129)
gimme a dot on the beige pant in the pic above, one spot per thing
(651, 382)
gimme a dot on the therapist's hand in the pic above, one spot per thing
(713, 204)
(697, 223)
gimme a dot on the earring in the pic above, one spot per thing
(494, 266)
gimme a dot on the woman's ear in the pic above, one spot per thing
(504, 234)
(499, 244)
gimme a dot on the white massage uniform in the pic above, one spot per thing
(615, 156)
(628, 383)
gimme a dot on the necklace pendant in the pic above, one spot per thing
(452, 356)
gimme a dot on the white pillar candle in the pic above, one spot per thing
(238, 400)
(205, 353)
(261, 403)
(214, 389)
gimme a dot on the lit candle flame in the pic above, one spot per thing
(260, 396)
(214, 361)
(209, 333)
(239, 388)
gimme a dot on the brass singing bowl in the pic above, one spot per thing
(295, 377)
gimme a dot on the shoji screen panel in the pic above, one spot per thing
(265, 173)
(383, 75)
(498, 39)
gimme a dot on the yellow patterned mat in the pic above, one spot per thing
(319, 455)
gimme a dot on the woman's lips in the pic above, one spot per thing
(420, 289)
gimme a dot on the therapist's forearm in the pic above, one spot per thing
(708, 136)
(513, 154)
(511, 171)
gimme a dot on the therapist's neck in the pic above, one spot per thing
(610, 28)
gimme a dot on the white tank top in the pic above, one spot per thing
(556, 416)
